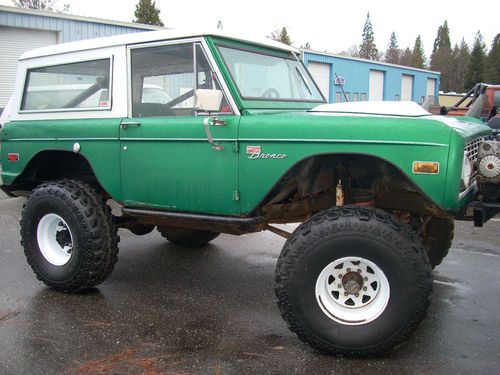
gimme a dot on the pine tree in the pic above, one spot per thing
(405, 57)
(368, 49)
(477, 64)
(147, 13)
(441, 56)
(460, 58)
(393, 53)
(281, 35)
(493, 71)
(418, 55)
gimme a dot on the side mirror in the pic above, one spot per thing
(207, 100)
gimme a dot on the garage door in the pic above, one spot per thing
(431, 86)
(407, 87)
(376, 88)
(13, 43)
(321, 74)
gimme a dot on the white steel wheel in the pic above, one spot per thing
(352, 291)
(54, 239)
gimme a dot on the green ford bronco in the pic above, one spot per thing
(201, 134)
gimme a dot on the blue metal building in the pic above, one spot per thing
(369, 80)
(24, 29)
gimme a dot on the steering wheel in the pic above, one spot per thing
(270, 93)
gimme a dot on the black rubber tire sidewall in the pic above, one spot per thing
(33, 213)
(352, 231)
(392, 264)
(95, 238)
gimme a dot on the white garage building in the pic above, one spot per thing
(24, 29)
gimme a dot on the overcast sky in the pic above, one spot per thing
(326, 25)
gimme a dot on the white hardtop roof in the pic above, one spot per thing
(143, 37)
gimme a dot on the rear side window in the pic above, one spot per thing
(83, 85)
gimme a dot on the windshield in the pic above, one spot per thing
(265, 77)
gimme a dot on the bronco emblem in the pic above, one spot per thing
(255, 152)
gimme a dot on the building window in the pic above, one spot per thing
(397, 97)
(346, 97)
(355, 97)
(338, 97)
(363, 97)
(83, 85)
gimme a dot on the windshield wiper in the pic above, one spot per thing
(300, 74)
(303, 80)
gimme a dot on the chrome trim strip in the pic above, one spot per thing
(179, 139)
(340, 141)
(60, 139)
(238, 140)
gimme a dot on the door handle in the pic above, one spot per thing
(126, 124)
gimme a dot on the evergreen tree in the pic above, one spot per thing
(393, 53)
(460, 58)
(405, 57)
(281, 35)
(477, 64)
(441, 56)
(418, 54)
(368, 49)
(49, 5)
(493, 72)
(147, 13)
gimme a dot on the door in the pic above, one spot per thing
(167, 161)
(431, 87)
(321, 74)
(13, 43)
(376, 85)
(406, 87)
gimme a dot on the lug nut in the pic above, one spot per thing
(345, 294)
(339, 286)
(340, 275)
(364, 288)
(359, 271)
(356, 295)
(366, 278)
(348, 270)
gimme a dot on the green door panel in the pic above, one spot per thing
(98, 139)
(167, 163)
(300, 135)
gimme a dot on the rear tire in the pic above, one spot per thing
(353, 281)
(68, 235)
(187, 237)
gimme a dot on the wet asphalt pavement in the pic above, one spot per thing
(171, 310)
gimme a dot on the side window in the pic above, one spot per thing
(164, 81)
(83, 85)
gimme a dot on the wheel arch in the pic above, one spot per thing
(304, 170)
(50, 165)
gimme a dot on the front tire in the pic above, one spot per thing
(438, 238)
(68, 235)
(353, 281)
